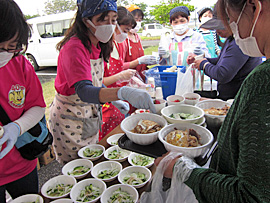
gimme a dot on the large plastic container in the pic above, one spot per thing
(168, 80)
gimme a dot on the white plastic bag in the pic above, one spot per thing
(178, 192)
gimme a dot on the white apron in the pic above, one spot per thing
(74, 123)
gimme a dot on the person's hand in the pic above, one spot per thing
(11, 134)
(161, 51)
(137, 98)
(191, 58)
(169, 171)
(126, 74)
(147, 59)
(122, 106)
(197, 63)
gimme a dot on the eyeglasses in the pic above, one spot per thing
(16, 50)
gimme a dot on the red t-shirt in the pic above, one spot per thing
(74, 65)
(20, 91)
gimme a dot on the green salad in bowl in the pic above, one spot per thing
(89, 193)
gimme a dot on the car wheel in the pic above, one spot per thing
(148, 35)
(33, 61)
(167, 34)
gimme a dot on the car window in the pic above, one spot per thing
(158, 26)
(53, 29)
(151, 26)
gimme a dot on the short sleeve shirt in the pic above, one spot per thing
(20, 91)
(74, 65)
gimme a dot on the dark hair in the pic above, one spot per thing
(222, 6)
(137, 12)
(125, 17)
(177, 14)
(204, 11)
(13, 22)
(79, 29)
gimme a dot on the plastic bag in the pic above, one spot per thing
(153, 72)
(188, 81)
(178, 192)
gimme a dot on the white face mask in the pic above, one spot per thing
(136, 29)
(180, 29)
(103, 32)
(205, 19)
(5, 57)
(248, 45)
(120, 37)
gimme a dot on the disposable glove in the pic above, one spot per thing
(122, 106)
(148, 59)
(126, 74)
(11, 134)
(137, 98)
(161, 51)
(184, 167)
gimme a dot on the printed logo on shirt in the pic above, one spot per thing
(16, 96)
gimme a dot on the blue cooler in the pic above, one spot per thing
(168, 80)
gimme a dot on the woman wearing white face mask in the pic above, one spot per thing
(181, 41)
(114, 72)
(134, 53)
(239, 169)
(213, 42)
(75, 117)
(22, 100)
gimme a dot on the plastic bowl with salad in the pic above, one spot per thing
(92, 152)
(79, 168)
(137, 176)
(115, 153)
(106, 170)
(136, 159)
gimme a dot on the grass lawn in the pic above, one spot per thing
(49, 91)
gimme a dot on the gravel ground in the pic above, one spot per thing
(49, 171)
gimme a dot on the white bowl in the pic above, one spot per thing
(105, 197)
(61, 179)
(69, 167)
(206, 139)
(134, 155)
(131, 169)
(93, 147)
(113, 139)
(106, 165)
(28, 198)
(130, 123)
(167, 111)
(201, 121)
(171, 100)
(213, 120)
(75, 192)
(191, 98)
(110, 149)
(159, 106)
(64, 200)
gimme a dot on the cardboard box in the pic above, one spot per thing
(47, 158)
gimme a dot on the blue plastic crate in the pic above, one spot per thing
(168, 80)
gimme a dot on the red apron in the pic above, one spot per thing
(111, 116)
(135, 50)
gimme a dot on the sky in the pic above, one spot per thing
(32, 7)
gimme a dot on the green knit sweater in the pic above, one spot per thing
(240, 168)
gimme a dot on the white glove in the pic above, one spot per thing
(122, 106)
(148, 59)
(184, 167)
(126, 74)
(11, 134)
(137, 98)
(161, 51)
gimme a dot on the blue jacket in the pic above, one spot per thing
(230, 69)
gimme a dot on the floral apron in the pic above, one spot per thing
(74, 123)
(111, 115)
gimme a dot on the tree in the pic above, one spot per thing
(31, 16)
(59, 6)
(161, 12)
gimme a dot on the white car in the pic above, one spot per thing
(154, 29)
